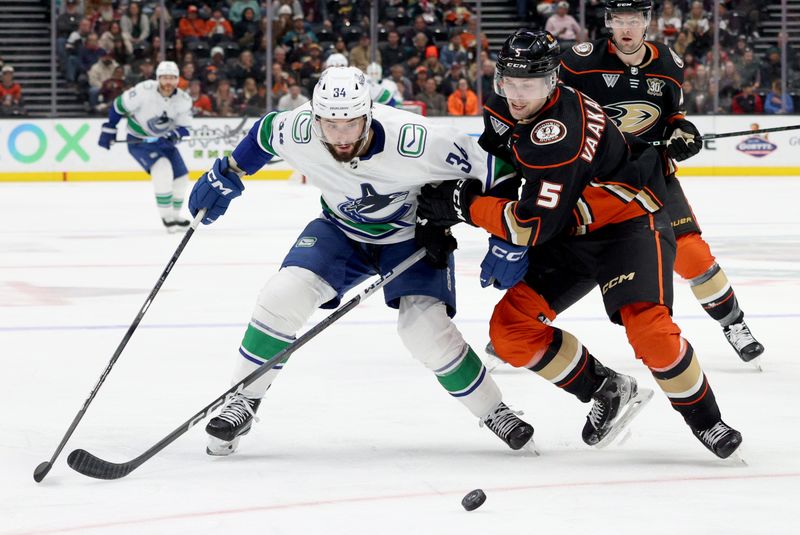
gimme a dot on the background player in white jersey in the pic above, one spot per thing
(383, 90)
(156, 109)
(370, 165)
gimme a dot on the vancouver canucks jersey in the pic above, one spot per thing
(372, 198)
(149, 113)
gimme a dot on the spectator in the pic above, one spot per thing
(452, 51)
(771, 69)
(669, 23)
(294, 5)
(238, 7)
(469, 39)
(435, 69)
(74, 44)
(697, 24)
(292, 99)
(435, 103)
(111, 89)
(463, 101)
(392, 51)
(144, 71)
(776, 103)
(114, 32)
(66, 23)
(418, 50)
(201, 104)
(218, 28)
(729, 84)
(100, 72)
(312, 68)
(187, 75)
(682, 42)
(299, 33)
(211, 80)
(486, 79)
(155, 23)
(120, 52)
(340, 47)
(280, 82)
(224, 99)
(397, 75)
(420, 77)
(245, 67)
(450, 80)
(360, 54)
(457, 15)
(282, 23)
(192, 26)
(419, 26)
(563, 26)
(749, 68)
(10, 93)
(135, 24)
(245, 31)
(103, 17)
(217, 56)
(692, 99)
(90, 53)
(343, 13)
(255, 106)
(747, 102)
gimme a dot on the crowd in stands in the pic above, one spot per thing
(429, 49)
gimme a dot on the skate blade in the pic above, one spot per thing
(736, 460)
(643, 397)
(756, 364)
(221, 448)
(491, 360)
(531, 448)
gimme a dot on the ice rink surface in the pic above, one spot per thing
(355, 436)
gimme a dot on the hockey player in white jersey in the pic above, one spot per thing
(158, 116)
(370, 164)
(383, 91)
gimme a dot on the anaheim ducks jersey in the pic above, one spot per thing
(641, 100)
(372, 198)
(149, 113)
(580, 172)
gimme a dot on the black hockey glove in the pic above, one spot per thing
(448, 203)
(684, 142)
(438, 242)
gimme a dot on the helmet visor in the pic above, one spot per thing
(340, 132)
(528, 88)
(634, 20)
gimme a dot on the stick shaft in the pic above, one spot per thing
(738, 133)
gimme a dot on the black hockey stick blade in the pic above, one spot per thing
(41, 471)
(87, 464)
(90, 465)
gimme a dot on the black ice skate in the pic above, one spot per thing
(616, 403)
(505, 423)
(182, 224)
(739, 336)
(720, 438)
(235, 420)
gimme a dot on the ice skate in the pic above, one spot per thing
(492, 360)
(514, 431)
(721, 439)
(180, 224)
(616, 403)
(170, 225)
(235, 420)
(742, 340)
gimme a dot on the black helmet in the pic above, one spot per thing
(528, 54)
(628, 5)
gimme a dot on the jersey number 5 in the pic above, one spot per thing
(549, 195)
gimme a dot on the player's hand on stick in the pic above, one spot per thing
(439, 243)
(108, 134)
(684, 142)
(215, 190)
(448, 203)
(504, 265)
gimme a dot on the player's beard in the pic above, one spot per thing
(344, 157)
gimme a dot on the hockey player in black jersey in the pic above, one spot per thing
(589, 214)
(638, 83)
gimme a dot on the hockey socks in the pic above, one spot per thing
(568, 365)
(260, 344)
(714, 292)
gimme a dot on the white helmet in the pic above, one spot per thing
(336, 60)
(341, 93)
(375, 72)
(167, 68)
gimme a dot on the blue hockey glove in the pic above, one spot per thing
(504, 265)
(173, 137)
(108, 134)
(215, 190)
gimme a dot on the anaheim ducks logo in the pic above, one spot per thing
(634, 117)
(548, 131)
(583, 49)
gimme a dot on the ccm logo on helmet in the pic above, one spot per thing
(516, 65)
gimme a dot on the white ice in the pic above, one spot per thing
(355, 436)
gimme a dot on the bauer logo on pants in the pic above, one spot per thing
(306, 241)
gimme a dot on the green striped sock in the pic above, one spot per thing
(462, 375)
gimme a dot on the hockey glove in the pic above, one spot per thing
(504, 265)
(684, 142)
(439, 243)
(173, 137)
(448, 203)
(108, 135)
(215, 190)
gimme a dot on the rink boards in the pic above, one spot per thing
(66, 149)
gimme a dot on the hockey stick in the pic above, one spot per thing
(733, 134)
(89, 465)
(41, 471)
(154, 139)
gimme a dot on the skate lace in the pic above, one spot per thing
(502, 421)
(598, 412)
(711, 435)
(237, 410)
(739, 335)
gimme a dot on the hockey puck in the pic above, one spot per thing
(473, 500)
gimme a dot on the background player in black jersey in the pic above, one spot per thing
(589, 214)
(638, 83)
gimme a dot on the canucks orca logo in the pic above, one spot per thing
(159, 125)
(634, 117)
(372, 202)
